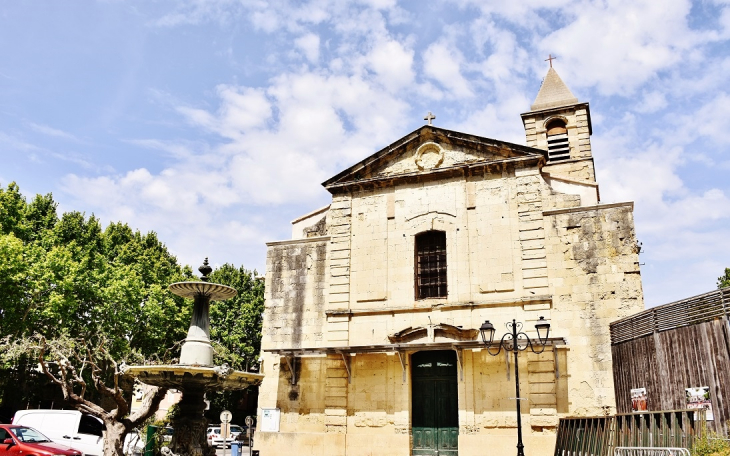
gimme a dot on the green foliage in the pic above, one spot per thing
(82, 299)
(68, 276)
(724, 280)
(711, 444)
(236, 323)
(68, 281)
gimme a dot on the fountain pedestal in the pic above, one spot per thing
(195, 374)
(190, 424)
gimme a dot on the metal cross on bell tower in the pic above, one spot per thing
(550, 59)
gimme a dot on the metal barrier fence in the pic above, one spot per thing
(600, 436)
(639, 451)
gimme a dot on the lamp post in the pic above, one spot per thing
(511, 342)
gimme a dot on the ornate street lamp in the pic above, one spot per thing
(511, 342)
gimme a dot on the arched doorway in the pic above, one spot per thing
(435, 404)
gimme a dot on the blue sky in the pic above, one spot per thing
(213, 122)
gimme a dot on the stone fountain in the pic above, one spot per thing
(195, 374)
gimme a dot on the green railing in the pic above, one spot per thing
(598, 436)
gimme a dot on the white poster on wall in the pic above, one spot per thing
(638, 400)
(270, 420)
(699, 398)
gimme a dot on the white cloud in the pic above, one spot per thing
(189, 207)
(309, 45)
(526, 13)
(443, 63)
(393, 64)
(380, 4)
(323, 123)
(652, 101)
(17, 144)
(176, 149)
(497, 121)
(242, 109)
(49, 131)
(506, 57)
(619, 45)
(711, 120)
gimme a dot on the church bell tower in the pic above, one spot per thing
(558, 123)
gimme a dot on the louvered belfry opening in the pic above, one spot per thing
(431, 265)
(557, 138)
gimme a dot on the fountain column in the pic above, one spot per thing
(197, 350)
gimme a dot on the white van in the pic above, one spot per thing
(70, 427)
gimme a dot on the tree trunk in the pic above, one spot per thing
(114, 438)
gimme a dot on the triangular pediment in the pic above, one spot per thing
(431, 150)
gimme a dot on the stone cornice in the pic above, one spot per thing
(598, 207)
(558, 342)
(298, 241)
(519, 301)
(569, 107)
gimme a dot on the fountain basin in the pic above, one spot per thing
(179, 375)
(213, 291)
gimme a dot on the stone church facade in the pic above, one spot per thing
(370, 338)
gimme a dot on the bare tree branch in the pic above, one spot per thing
(66, 361)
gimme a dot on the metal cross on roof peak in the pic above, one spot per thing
(429, 117)
(550, 59)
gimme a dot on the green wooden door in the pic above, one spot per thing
(435, 403)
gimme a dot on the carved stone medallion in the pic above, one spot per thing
(429, 156)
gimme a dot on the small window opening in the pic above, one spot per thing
(557, 138)
(431, 265)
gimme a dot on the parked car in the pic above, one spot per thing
(217, 439)
(78, 430)
(18, 440)
(235, 430)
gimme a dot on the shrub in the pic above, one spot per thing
(711, 444)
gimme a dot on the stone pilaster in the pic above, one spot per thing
(335, 400)
(532, 231)
(340, 229)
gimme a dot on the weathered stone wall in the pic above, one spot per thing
(294, 316)
(295, 293)
(594, 265)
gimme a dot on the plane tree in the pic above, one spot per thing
(76, 302)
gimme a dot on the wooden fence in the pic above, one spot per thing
(669, 348)
(598, 436)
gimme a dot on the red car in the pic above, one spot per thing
(26, 441)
